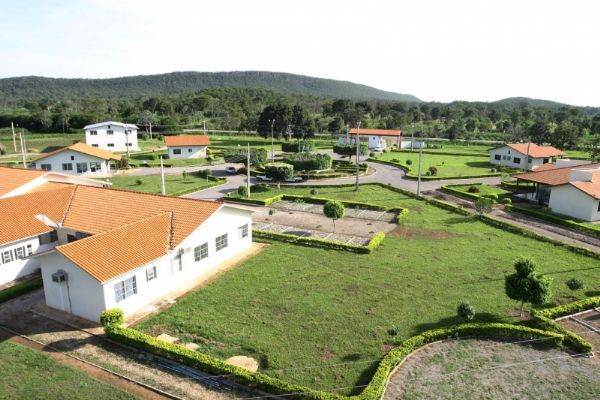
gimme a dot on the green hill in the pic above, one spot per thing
(19, 89)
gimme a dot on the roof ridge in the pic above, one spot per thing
(68, 207)
(171, 228)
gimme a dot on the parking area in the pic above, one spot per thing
(357, 227)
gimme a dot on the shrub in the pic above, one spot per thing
(393, 331)
(184, 175)
(395, 160)
(314, 191)
(204, 173)
(408, 162)
(371, 154)
(113, 316)
(271, 211)
(139, 181)
(483, 205)
(334, 210)
(526, 285)
(492, 196)
(493, 170)
(242, 190)
(506, 200)
(260, 188)
(159, 137)
(300, 146)
(473, 189)
(575, 284)
(433, 170)
(308, 161)
(465, 311)
(144, 136)
(123, 163)
(240, 155)
(242, 170)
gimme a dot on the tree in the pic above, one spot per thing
(242, 191)
(526, 285)
(279, 172)
(465, 311)
(302, 123)
(277, 114)
(350, 150)
(257, 156)
(148, 118)
(334, 210)
(483, 205)
(595, 149)
(308, 161)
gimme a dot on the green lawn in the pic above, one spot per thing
(258, 141)
(153, 160)
(447, 165)
(28, 374)
(293, 307)
(152, 183)
(484, 190)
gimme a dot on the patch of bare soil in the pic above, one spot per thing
(401, 231)
(245, 362)
(493, 369)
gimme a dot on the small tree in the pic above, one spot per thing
(483, 205)
(279, 172)
(465, 311)
(433, 170)
(242, 190)
(184, 175)
(575, 284)
(334, 210)
(123, 163)
(526, 285)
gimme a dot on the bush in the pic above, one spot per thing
(371, 154)
(260, 188)
(305, 146)
(144, 136)
(483, 205)
(433, 170)
(506, 200)
(492, 196)
(473, 189)
(308, 161)
(271, 211)
(408, 162)
(313, 191)
(575, 284)
(242, 190)
(139, 181)
(465, 311)
(242, 170)
(159, 137)
(113, 316)
(123, 163)
(204, 173)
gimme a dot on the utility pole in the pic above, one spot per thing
(127, 141)
(419, 173)
(357, 142)
(162, 176)
(527, 157)
(12, 126)
(204, 125)
(272, 121)
(150, 130)
(22, 141)
(248, 171)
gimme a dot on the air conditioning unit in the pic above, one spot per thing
(59, 276)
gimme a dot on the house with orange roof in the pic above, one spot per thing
(16, 181)
(100, 248)
(526, 156)
(377, 139)
(79, 159)
(187, 146)
(567, 189)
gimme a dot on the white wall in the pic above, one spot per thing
(20, 267)
(374, 142)
(118, 138)
(570, 201)
(406, 144)
(188, 152)
(507, 156)
(57, 160)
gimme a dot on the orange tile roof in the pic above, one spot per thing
(85, 149)
(545, 167)
(552, 177)
(18, 214)
(590, 188)
(187, 140)
(117, 251)
(50, 186)
(535, 151)
(13, 178)
(376, 132)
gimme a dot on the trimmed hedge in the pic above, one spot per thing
(321, 243)
(273, 385)
(19, 289)
(112, 316)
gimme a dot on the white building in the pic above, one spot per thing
(187, 146)
(113, 248)
(17, 181)
(112, 136)
(79, 159)
(573, 191)
(527, 156)
(377, 139)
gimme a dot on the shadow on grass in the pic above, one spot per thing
(460, 220)
(478, 164)
(592, 293)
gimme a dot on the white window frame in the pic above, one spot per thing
(46, 167)
(110, 145)
(67, 166)
(95, 166)
(151, 274)
(82, 167)
(221, 242)
(6, 257)
(110, 132)
(243, 230)
(95, 145)
(125, 289)
(201, 252)
(177, 151)
(93, 133)
(20, 252)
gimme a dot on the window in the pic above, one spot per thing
(46, 167)
(72, 158)
(29, 249)
(516, 160)
(48, 238)
(497, 157)
(110, 132)
(151, 273)
(20, 252)
(110, 145)
(529, 160)
(95, 166)
(176, 151)
(125, 289)
(599, 206)
(82, 167)
(94, 145)
(545, 161)
(67, 167)
(7, 257)
(189, 150)
(221, 242)
(243, 231)
(201, 252)
(93, 133)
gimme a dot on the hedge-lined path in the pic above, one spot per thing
(25, 315)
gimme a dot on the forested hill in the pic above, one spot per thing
(518, 101)
(15, 90)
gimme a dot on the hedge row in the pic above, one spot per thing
(321, 243)
(460, 193)
(555, 219)
(433, 178)
(19, 289)
(273, 385)
(214, 182)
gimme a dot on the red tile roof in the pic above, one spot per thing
(535, 151)
(589, 188)
(552, 177)
(85, 149)
(13, 178)
(376, 132)
(187, 140)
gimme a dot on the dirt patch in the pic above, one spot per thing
(328, 354)
(404, 232)
(493, 369)
(245, 362)
(352, 290)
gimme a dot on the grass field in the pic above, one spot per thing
(447, 165)
(27, 374)
(293, 307)
(152, 183)
(484, 190)
(153, 160)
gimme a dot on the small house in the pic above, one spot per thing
(527, 156)
(187, 146)
(377, 139)
(79, 159)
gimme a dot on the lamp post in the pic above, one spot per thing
(357, 141)
(272, 121)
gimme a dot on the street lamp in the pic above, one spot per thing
(357, 141)
(272, 121)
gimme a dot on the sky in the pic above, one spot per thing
(477, 50)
